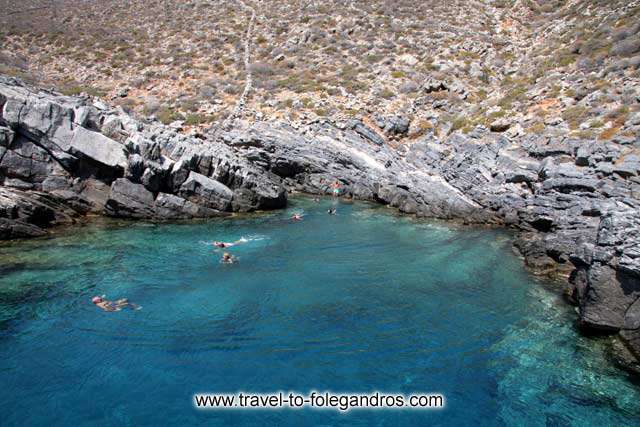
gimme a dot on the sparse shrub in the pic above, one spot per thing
(496, 115)
(322, 112)
(287, 103)
(386, 93)
(127, 104)
(515, 94)
(582, 134)
(197, 119)
(459, 122)
(409, 87)
(574, 115)
(261, 69)
(75, 90)
(619, 115)
(567, 59)
(231, 88)
(189, 105)
(151, 106)
(537, 128)
(627, 47)
(608, 133)
(166, 115)
(206, 92)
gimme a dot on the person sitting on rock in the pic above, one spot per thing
(227, 258)
(117, 305)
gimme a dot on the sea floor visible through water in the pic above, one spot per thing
(361, 301)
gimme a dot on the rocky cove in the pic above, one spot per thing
(574, 203)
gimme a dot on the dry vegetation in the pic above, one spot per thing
(528, 61)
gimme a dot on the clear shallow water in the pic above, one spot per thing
(358, 302)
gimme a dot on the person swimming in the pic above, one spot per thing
(296, 217)
(332, 211)
(227, 258)
(227, 244)
(117, 305)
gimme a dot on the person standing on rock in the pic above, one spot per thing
(336, 188)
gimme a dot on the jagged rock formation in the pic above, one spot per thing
(573, 202)
(63, 157)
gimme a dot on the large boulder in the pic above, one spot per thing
(207, 192)
(500, 125)
(135, 168)
(169, 206)
(96, 193)
(99, 148)
(258, 192)
(26, 162)
(27, 214)
(6, 136)
(129, 200)
(569, 185)
(603, 304)
(366, 132)
(178, 175)
(55, 123)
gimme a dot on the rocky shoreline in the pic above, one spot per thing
(574, 203)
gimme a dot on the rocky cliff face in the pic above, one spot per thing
(63, 157)
(574, 202)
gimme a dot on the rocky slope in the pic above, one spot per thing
(573, 202)
(542, 66)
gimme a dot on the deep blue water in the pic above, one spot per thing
(357, 302)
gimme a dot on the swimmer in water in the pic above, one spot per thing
(296, 217)
(331, 212)
(227, 258)
(117, 305)
(227, 244)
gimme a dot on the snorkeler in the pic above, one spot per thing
(227, 258)
(117, 305)
(296, 217)
(227, 244)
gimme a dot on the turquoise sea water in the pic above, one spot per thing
(357, 302)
